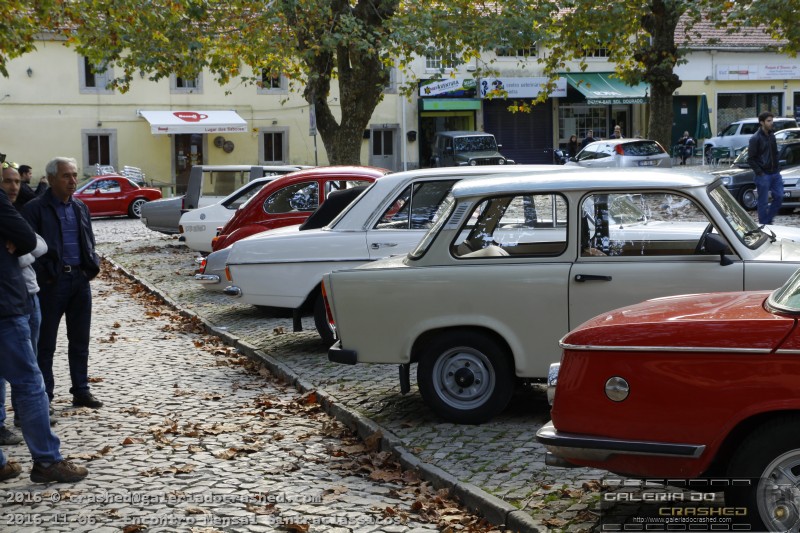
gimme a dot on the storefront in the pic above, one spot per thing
(526, 134)
(598, 101)
(189, 132)
(445, 105)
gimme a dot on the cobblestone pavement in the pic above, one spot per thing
(497, 467)
(194, 436)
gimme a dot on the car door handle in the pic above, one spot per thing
(378, 245)
(584, 277)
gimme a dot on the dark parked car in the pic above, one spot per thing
(738, 178)
(462, 148)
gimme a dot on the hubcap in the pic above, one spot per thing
(779, 491)
(137, 208)
(463, 378)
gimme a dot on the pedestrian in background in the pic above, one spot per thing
(588, 139)
(18, 363)
(572, 146)
(617, 133)
(63, 274)
(762, 156)
(42, 186)
(26, 194)
(686, 144)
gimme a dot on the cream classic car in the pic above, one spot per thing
(283, 267)
(515, 263)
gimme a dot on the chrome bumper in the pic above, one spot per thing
(570, 446)
(208, 279)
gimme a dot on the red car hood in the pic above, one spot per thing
(719, 320)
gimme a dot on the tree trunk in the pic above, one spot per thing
(659, 59)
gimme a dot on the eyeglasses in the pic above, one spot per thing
(9, 164)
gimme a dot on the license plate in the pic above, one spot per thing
(651, 163)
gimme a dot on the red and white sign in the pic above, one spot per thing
(162, 122)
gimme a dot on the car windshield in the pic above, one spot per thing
(83, 183)
(480, 143)
(786, 299)
(642, 148)
(446, 209)
(742, 224)
(352, 204)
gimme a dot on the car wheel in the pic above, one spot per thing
(135, 209)
(748, 197)
(321, 321)
(770, 458)
(465, 377)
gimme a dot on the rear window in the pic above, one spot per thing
(642, 148)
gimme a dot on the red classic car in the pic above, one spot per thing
(112, 194)
(693, 386)
(290, 200)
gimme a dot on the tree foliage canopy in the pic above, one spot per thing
(316, 43)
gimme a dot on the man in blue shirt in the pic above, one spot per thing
(63, 274)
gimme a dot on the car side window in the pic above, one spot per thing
(521, 225)
(604, 150)
(648, 224)
(749, 129)
(338, 185)
(105, 186)
(417, 207)
(292, 198)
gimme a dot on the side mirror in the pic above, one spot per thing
(97, 192)
(715, 244)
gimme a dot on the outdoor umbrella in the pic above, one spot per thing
(703, 122)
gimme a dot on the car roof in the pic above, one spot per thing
(391, 180)
(319, 172)
(619, 141)
(577, 179)
(749, 120)
(462, 133)
(235, 168)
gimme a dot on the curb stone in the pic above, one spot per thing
(491, 507)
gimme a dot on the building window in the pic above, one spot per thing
(441, 62)
(273, 148)
(597, 52)
(579, 119)
(93, 79)
(509, 51)
(391, 85)
(180, 85)
(272, 83)
(99, 148)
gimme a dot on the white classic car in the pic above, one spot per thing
(515, 263)
(283, 267)
(198, 226)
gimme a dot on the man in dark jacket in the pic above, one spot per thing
(63, 274)
(18, 363)
(762, 156)
(26, 194)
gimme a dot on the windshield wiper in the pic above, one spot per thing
(760, 229)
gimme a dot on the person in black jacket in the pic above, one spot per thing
(26, 194)
(63, 274)
(762, 156)
(18, 363)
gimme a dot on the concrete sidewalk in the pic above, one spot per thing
(497, 468)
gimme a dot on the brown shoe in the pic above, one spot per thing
(61, 472)
(10, 470)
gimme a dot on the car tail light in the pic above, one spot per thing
(180, 229)
(202, 268)
(328, 312)
(228, 273)
(619, 149)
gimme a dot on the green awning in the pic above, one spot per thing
(600, 88)
(449, 104)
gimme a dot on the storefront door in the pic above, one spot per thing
(187, 152)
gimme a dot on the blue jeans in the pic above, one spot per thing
(18, 366)
(766, 184)
(34, 321)
(69, 295)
